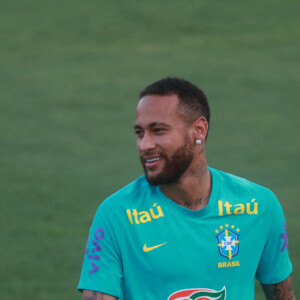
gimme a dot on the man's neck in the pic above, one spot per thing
(193, 189)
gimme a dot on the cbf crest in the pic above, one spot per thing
(228, 241)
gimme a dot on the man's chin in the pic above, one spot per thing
(152, 179)
(159, 179)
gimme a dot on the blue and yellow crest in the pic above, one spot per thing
(228, 241)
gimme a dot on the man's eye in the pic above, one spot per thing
(159, 130)
(139, 132)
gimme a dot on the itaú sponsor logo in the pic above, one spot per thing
(198, 294)
(144, 216)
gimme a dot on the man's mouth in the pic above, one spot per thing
(151, 162)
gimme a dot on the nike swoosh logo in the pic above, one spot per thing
(146, 249)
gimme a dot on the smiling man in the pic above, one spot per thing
(184, 230)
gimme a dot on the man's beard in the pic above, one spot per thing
(174, 166)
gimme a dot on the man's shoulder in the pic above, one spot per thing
(112, 211)
(131, 192)
(240, 185)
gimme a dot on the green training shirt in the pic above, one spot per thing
(144, 246)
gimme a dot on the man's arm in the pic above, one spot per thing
(279, 291)
(91, 295)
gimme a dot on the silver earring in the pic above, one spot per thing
(198, 142)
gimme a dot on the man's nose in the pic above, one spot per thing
(146, 142)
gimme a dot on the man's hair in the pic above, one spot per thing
(192, 101)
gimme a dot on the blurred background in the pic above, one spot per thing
(70, 74)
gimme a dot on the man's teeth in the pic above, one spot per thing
(152, 159)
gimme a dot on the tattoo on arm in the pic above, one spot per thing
(279, 291)
(92, 295)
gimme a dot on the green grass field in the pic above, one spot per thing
(70, 73)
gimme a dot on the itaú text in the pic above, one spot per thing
(250, 208)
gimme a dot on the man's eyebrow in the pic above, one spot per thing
(151, 125)
(159, 124)
(137, 126)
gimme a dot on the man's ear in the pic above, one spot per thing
(200, 129)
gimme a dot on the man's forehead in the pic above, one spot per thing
(161, 104)
(154, 109)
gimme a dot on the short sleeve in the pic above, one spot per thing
(275, 265)
(102, 268)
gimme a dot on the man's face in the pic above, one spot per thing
(163, 141)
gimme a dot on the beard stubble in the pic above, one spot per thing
(175, 165)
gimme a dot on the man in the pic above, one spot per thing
(184, 231)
